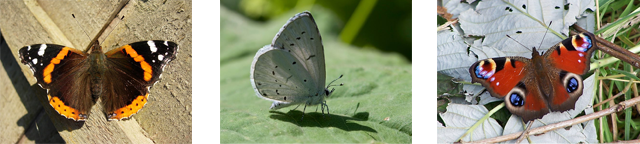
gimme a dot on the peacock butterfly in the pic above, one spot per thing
(533, 87)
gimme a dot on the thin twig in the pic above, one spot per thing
(616, 108)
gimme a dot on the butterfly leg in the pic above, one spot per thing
(324, 104)
(296, 107)
(305, 108)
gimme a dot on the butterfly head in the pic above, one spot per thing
(327, 91)
(94, 47)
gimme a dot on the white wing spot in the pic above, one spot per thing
(41, 50)
(152, 46)
(160, 57)
(28, 48)
(166, 43)
(35, 61)
(153, 61)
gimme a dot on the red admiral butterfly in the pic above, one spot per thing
(121, 77)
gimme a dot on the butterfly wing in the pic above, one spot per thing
(132, 70)
(570, 58)
(301, 37)
(513, 79)
(291, 70)
(68, 91)
(278, 76)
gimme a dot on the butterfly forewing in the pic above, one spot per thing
(301, 37)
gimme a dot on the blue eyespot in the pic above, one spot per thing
(572, 85)
(516, 99)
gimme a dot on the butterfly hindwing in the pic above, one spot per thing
(278, 76)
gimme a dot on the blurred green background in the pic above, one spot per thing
(384, 25)
(373, 106)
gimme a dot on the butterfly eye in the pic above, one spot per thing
(572, 82)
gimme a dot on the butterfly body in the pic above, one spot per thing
(121, 77)
(546, 82)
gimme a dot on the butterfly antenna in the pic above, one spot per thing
(545, 33)
(329, 85)
(114, 27)
(517, 41)
(85, 32)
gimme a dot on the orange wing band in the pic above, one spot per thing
(65, 110)
(129, 110)
(138, 58)
(56, 60)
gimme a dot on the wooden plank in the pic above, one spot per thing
(167, 116)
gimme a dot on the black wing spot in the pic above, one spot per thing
(311, 38)
(518, 32)
(289, 50)
(121, 112)
(264, 94)
(276, 66)
(280, 85)
(557, 7)
(276, 80)
(513, 64)
(285, 98)
(291, 44)
(524, 6)
(303, 32)
(73, 112)
(298, 38)
(305, 80)
(259, 84)
(273, 72)
(316, 94)
(294, 62)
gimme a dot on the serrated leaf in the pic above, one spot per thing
(455, 7)
(459, 118)
(453, 59)
(525, 21)
(447, 86)
(485, 98)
